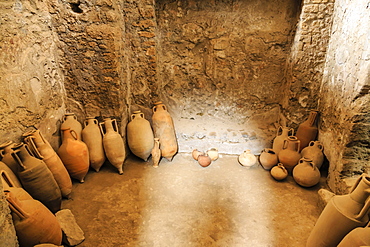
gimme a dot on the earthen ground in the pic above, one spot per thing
(183, 204)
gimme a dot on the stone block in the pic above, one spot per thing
(72, 233)
(324, 197)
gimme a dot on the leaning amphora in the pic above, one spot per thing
(6, 155)
(307, 131)
(36, 178)
(113, 143)
(33, 222)
(93, 138)
(164, 129)
(9, 185)
(342, 214)
(156, 153)
(10, 174)
(140, 136)
(74, 155)
(38, 144)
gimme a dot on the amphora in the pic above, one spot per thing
(281, 135)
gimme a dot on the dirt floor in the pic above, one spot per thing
(183, 204)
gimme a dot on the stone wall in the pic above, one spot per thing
(344, 98)
(31, 82)
(306, 61)
(221, 69)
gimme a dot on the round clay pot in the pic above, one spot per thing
(279, 172)
(306, 173)
(93, 138)
(268, 158)
(213, 153)
(314, 151)
(247, 159)
(204, 160)
(195, 154)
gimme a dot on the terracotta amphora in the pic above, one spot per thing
(38, 144)
(70, 121)
(164, 129)
(36, 178)
(195, 154)
(113, 143)
(9, 185)
(307, 131)
(11, 174)
(358, 237)
(281, 135)
(247, 159)
(93, 138)
(33, 222)
(213, 153)
(314, 151)
(289, 155)
(6, 156)
(204, 160)
(156, 153)
(268, 158)
(279, 172)
(74, 155)
(305, 173)
(140, 136)
(342, 214)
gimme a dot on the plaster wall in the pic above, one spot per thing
(344, 95)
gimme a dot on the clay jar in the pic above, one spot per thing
(282, 134)
(359, 236)
(306, 173)
(70, 121)
(289, 155)
(268, 158)
(307, 131)
(164, 129)
(247, 159)
(314, 151)
(38, 144)
(195, 154)
(6, 156)
(36, 178)
(33, 222)
(213, 153)
(279, 172)
(11, 174)
(9, 185)
(93, 139)
(74, 154)
(342, 214)
(140, 136)
(204, 160)
(156, 153)
(113, 143)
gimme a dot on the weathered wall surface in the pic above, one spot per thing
(31, 83)
(92, 56)
(307, 60)
(344, 96)
(222, 67)
(7, 233)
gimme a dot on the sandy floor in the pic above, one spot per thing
(183, 204)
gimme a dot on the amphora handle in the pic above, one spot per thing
(6, 180)
(15, 206)
(364, 211)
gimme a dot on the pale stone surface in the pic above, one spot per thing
(324, 197)
(7, 231)
(72, 233)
